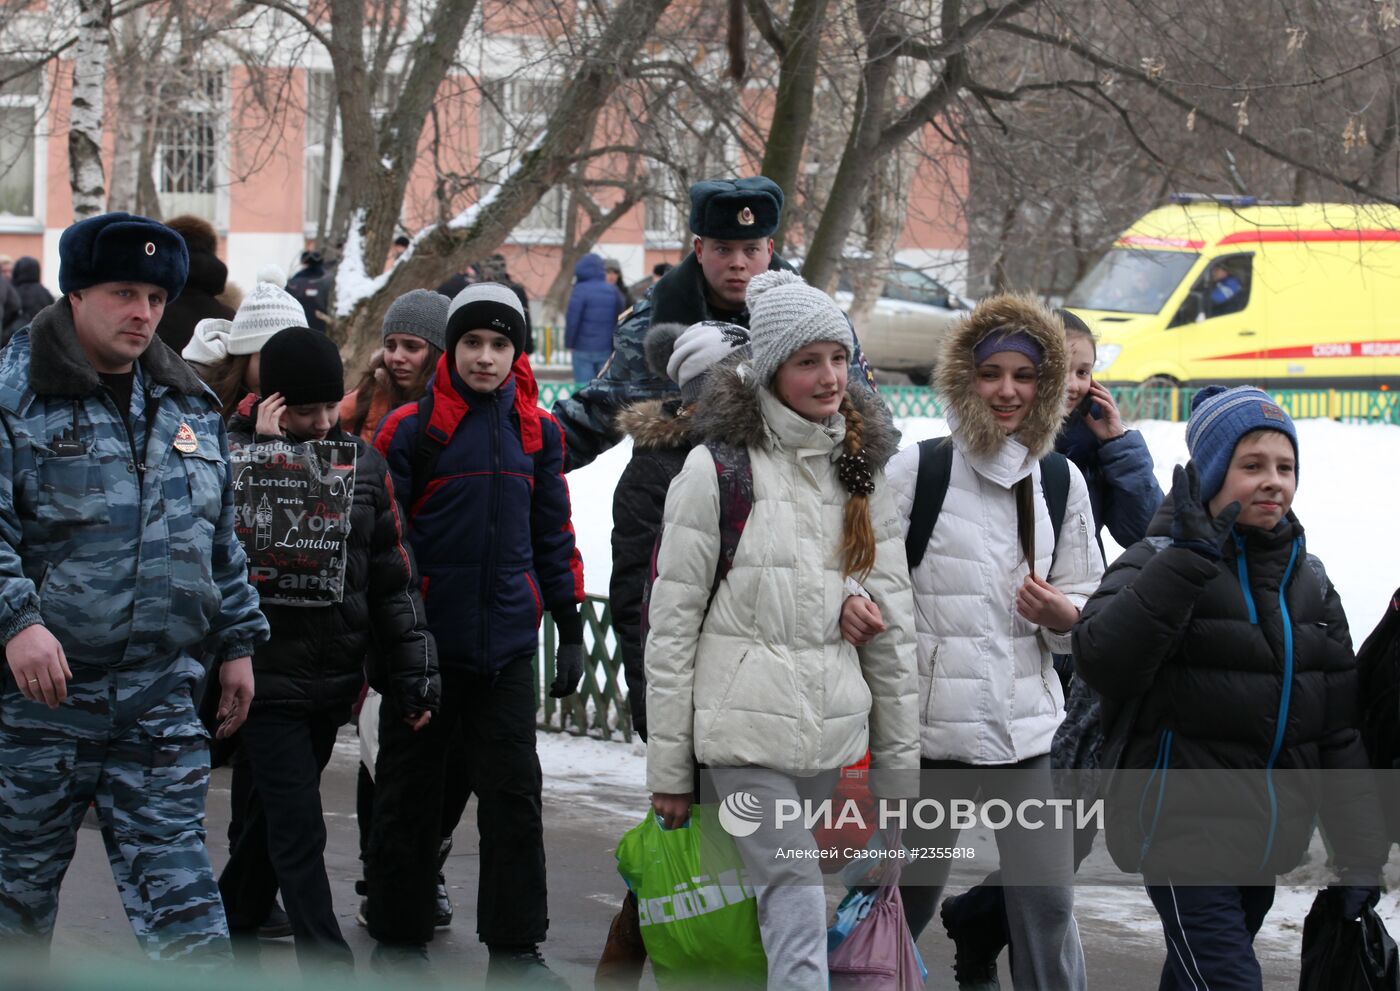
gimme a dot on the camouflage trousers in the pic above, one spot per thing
(147, 777)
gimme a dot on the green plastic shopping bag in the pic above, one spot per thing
(699, 923)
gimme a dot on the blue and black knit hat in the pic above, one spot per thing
(1219, 418)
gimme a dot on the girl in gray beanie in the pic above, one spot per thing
(398, 372)
(747, 670)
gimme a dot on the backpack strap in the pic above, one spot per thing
(734, 471)
(427, 450)
(930, 488)
(1054, 483)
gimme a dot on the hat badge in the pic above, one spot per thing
(150, 247)
(745, 217)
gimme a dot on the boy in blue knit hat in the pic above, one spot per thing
(1219, 643)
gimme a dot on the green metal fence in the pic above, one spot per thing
(599, 708)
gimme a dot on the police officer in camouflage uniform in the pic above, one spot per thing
(733, 222)
(118, 569)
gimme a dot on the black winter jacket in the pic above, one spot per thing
(318, 658)
(1243, 663)
(660, 443)
(207, 279)
(33, 297)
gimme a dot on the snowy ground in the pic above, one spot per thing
(1349, 475)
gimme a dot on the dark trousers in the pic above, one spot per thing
(1210, 935)
(283, 840)
(457, 791)
(496, 714)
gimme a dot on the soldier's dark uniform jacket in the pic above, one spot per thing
(678, 297)
(116, 534)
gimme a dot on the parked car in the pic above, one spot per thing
(905, 331)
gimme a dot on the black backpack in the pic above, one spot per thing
(1378, 669)
(931, 486)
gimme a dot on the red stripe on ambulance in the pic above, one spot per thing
(1341, 349)
(1271, 237)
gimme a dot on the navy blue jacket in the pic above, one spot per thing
(1122, 488)
(594, 306)
(491, 531)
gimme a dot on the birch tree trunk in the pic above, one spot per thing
(85, 173)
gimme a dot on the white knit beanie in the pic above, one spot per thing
(785, 315)
(697, 349)
(266, 310)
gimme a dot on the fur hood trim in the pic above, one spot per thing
(957, 373)
(729, 413)
(655, 425)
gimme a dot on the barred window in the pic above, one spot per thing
(188, 143)
(20, 91)
(513, 113)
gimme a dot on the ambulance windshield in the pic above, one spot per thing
(1131, 280)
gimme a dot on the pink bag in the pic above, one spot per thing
(879, 953)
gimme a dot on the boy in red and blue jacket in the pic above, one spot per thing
(480, 468)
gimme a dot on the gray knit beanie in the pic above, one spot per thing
(419, 313)
(785, 315)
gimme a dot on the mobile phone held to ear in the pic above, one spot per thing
(1088, 407)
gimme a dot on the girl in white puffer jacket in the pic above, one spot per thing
(987, 619)
(757, 683)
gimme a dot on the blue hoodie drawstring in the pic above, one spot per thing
(1286, 693)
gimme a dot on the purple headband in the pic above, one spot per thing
(1004, 339)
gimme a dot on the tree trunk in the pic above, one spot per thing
(484, 226)
(792, 107)
(85, 173)
(377, 163)
(556, 299)
(861, 151)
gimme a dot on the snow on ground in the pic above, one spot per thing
(1349, 475)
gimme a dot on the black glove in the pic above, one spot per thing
(1192, 525)
(568, 670)
(1354, 899)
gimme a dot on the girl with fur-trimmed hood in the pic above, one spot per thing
(988, 620)
(755, 681)
(662, 435)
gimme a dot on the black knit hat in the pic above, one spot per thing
(486, 306)
(304, 365)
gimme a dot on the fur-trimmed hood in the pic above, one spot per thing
(730, 411)
(656, 424)
(957, 371)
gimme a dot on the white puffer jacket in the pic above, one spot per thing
(988, 692)
(764, 678)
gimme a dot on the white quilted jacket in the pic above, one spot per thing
(988, 692)
(764, 678)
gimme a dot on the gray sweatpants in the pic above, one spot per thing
(791, 897)
(1045, 948)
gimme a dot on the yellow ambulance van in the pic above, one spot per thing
(1230, 290)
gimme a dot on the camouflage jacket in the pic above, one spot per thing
(119, 540)
(677, 297)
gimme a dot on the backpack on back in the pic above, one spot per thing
(1378, 670)
(931, 486)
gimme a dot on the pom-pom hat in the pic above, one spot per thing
(1219, 418)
